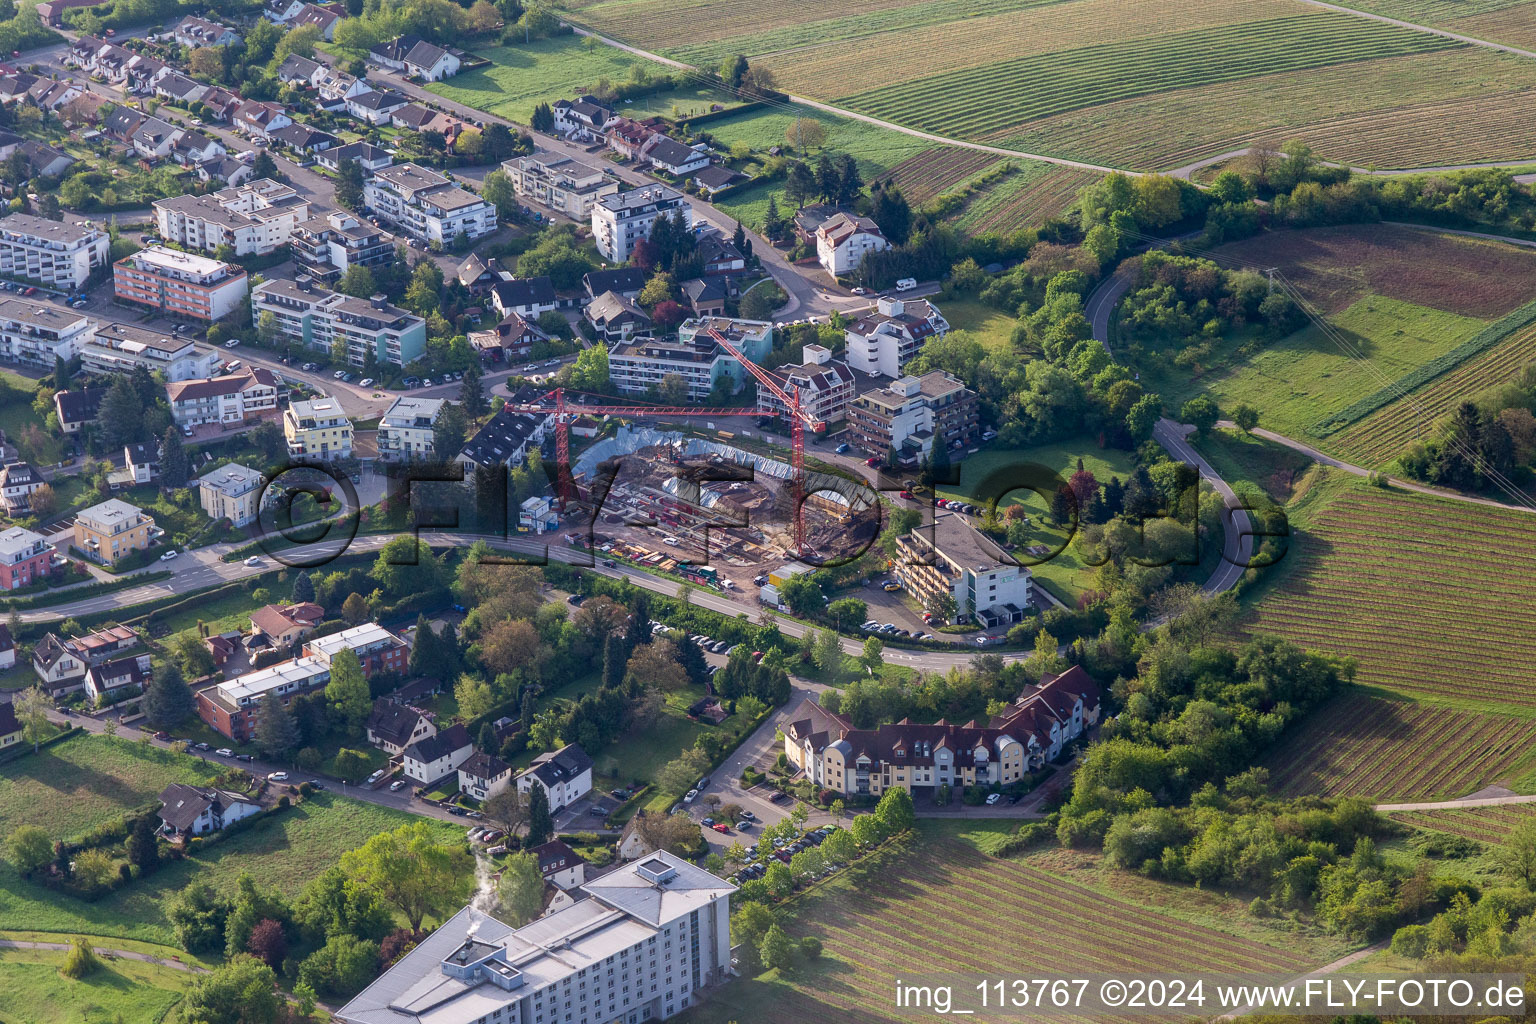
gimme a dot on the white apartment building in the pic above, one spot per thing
(559, 183)
(59, 254)
(227, 400)
(639, 366)
(180, 283)
(639, 944)
(951, 557)
(426, 205)
(565, 775)
(254, 219)
(405, 431)
(232, 492)
(882, 342)
(622, 219)
(825, 386)
(326, 247)
(844, 240)
(317, 429)
(37, 333)
(915, 416)
(118, 348)
(315, 318)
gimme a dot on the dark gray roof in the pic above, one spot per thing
(80, 405)
(444, 743)
(481, 765)
(392, 723)
(563, 764)
(525, 291)
(185, 804)
(620, 279)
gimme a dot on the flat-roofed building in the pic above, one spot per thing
(110, 531)
(316, 317)
(232, 492)
(25, 558)
(38, 333)
(60, 254)
(559, 183)
(318, 429)
(232, 708)
(227, 400)
(426, 205)
(695, 356)
(119, 347)
(180, 283)
(254, 219)
(406, 429)
(640, 943)
(326, 247)
(622, 219)
(377, 649)
(951, 557)
(913, 415)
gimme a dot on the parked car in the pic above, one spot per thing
(225, 752)
(278, 777)
(749, 815)
(244, 757)
(721, 827)
(162, 736)
(843, 448)
(376, 776)
(743, 825)
(235, 343)
(338, 374)
(394, 786)
(708, 823)
(872, 461)
(993, 798)
(693, 795)
(168, 555)
(366, 382)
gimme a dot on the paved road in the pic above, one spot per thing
(1188, 169)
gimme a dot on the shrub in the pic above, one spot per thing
(81, 959)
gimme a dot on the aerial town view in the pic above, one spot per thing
(611, 511)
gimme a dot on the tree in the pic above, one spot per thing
(732, 69)
(513, 645)
(1202, 412)
(449, 432)
(198, 915)
(866, 830)
(175, 467)
(521, 889)
(590, 371)
(776, 952)
(543, 119)
(498, 190)
(1516, 855)
(277, 734)
(806, 134)
(205, 62)
(872, 656)
(143, 850)
(942, 607)
(890, 210)
(848, 613)
(357, 282)
(29, 849)
(355, 609)
(347, 692)
(474, 696)
(541, 824)
(349, 185)
(351, 764)
(679, 775)
(849, 183)
(676, 833)
(31, 707)
(1246, 417)
(268, 943)
(168, 702)
(80, 960)
(471, 393)
(242, 991)
(508, 810)
(303, 587)
(121, 414)
(800, 184)
(894, 812)
(412, 871)
(343, 966)
(657, 665)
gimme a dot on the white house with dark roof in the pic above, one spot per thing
(376, 105)
(429, 759)
(430, 62)
(483, 775)
(528, 297)
(639, 943)
(392, 726)
(199, 810)
(196, 32)
(119, 677)
(565, 775)
(561, 866)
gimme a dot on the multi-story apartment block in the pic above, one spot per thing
(377, 649)
(915, 416)
(622, 219)
(950, 557)
(885, 340)
(318, 429)
(559, 183)
(25, 558)
(180, 283)
(327, 247)
(316, 318)
(37, 333)
(695, 356)
(406, 429)
(232, 492)
(254, 219)
(426, 205)
(60, 254)
(638, 944)
(118, 348)
(825, 386)
(112, 530)
(227, 400)
(924, 758)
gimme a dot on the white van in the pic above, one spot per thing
(906, 284)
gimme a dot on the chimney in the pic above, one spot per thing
(305, 282)
(379, 300)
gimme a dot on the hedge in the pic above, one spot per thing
(719, 115)
(1478, 343)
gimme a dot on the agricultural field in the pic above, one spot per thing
(33, 992)
(1418, 590)
(1361, 745)
(76, 784)
(1379, 438)
(1485, 824)
(1022, 199)
(520, 77)
(936, 171)
(1500, 21)
(284, 852)
(895, 915)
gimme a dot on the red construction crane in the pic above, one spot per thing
(565, 484)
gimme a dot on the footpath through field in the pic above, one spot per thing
(120, 954)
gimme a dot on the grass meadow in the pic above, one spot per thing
(32, 991)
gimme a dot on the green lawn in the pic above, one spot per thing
(80, 782)
(1300, 379)
(1251, 464)
(284, 852)
(1064, 575)
(16, 413)
(991, 326)
(519, 77)
(33, 992)
(876, 149)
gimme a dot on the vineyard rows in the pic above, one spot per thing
(1419, 591)
(1367, 746)
(1016, 202)
(1384, 435)
(1485, 824)
(1014, 92)
(929, 173)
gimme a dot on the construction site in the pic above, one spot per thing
(710, 511)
